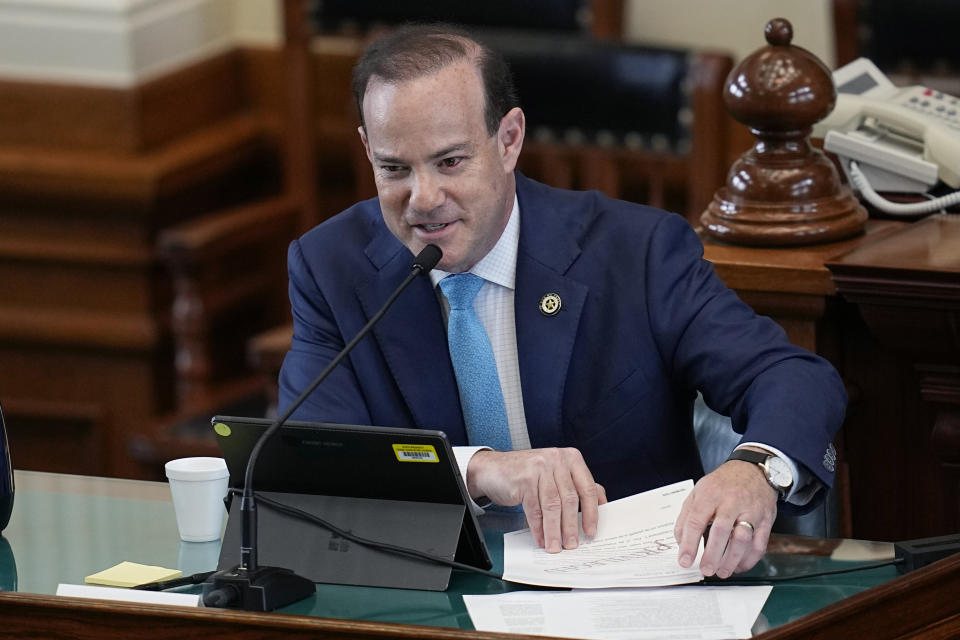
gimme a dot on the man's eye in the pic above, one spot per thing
(449, 163)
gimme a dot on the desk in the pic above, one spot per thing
(66, 527)
(884, 308)
(907, 289)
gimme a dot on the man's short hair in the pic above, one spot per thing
(416, 50)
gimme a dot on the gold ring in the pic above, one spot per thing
(744, 523)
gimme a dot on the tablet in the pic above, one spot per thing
(398, 486)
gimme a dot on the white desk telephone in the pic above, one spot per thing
(893, 139)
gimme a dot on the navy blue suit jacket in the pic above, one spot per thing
(644, 324)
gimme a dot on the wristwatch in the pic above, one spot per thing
(775, 470)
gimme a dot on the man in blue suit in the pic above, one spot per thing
(602, 318)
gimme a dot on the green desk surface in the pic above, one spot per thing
(64, 528)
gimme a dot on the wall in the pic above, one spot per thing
(731, 25)
(257, 22)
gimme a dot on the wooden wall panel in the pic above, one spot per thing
(88, 180)
(62, 116)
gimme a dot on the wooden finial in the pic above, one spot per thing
(782, 191)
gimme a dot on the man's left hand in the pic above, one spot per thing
(736, 492)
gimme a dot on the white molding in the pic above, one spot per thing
(112, 43)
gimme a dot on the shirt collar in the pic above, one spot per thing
(499, 266)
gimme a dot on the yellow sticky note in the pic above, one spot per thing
(131, 574)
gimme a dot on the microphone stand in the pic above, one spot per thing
(250, 586)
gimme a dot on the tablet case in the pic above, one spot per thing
(396, 486)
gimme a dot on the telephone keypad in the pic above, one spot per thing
(933, 104)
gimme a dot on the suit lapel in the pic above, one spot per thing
(413, 340)
(548, 247)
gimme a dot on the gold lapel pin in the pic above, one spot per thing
(550, 304)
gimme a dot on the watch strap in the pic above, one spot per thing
(749, 455)
(758, 458)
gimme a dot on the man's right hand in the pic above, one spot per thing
(551, 484)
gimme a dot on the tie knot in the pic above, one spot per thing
(460, 289)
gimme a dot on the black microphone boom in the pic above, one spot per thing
(252, 587)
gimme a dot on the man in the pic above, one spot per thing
(601, 316)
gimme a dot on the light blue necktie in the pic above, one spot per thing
(480, 396)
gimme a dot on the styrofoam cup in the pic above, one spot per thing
(198, 486)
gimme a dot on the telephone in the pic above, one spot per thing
(893, 139)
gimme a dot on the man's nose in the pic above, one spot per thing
(427, 192)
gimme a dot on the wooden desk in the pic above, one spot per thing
(65, 527)
(883, 308)
(906, 285)
(791, 285)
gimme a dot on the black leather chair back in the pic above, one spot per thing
(333, 16)
(582, 90)
(910, 36)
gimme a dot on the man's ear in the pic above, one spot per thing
(510, 137)
(363, 139)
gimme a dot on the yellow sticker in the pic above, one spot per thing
(222, 429)
(415, 453)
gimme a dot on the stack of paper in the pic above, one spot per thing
(693, 612)
(634, 547)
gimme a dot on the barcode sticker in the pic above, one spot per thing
(415, 453)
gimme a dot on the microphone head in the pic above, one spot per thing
(428, 258)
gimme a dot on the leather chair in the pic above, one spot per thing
(903, 38)
(599, 18)
(639, 123)
(357, 16)
(716, 439)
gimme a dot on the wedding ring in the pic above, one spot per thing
(744, 523)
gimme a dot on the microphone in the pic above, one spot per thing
(249, 586)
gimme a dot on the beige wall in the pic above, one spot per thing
(731, 25)
(257, 22)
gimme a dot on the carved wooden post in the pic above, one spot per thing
(782, 191)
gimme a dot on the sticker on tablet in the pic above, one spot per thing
(415, 453)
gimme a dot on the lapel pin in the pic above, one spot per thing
(550, 304)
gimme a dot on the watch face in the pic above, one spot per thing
(779, 473)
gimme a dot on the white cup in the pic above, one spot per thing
(198, 486)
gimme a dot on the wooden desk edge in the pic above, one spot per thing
(44, 616)
(794, 270)
(917, 605)
(879, 613)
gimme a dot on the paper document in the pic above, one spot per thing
(634, 547)
(692, 612)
